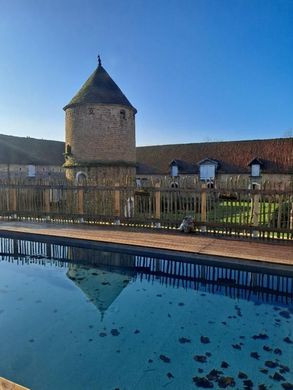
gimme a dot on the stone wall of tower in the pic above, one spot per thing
(102, 175)
(101, 133)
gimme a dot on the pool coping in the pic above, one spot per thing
(186, 256)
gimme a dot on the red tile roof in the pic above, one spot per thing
(233, 156)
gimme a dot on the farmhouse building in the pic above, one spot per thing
(100, 146)
(257, 160)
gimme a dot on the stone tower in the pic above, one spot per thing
(100, 132)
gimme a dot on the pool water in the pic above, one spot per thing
(75, 325)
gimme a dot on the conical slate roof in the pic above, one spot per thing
(100, 88)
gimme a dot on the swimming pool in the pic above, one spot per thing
(76, 318)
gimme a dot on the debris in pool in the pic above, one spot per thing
(91, 326)
(136, 331)
(102, 334)
(271, 364)
(248, 383)
(38, 301)
(204, 340)
(150, 360)
(284, 314)
(288, 340)
(106, 283)
(267, 348)
(242, 375)
(170, 375)
(277, 351)
(200, 358)
(255, 355)
(90, 340)
(262, 387)
(184, 340)
(277, 377)
(224, 322)
(264, 370)
(115, 332)
(236, 346)
(200, 370)
(287, 386)
(159, 295)
(95, 273)
(224, 364)
(31, 340)
(202, 382)
(208, 354)
(225, 381)
(55, 311)
(169, 315)
(180, 304)
(242, 337)
(165, 359)
(260, 336)
(214, 375)
(284, 369)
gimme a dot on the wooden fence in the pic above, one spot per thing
(233, 211)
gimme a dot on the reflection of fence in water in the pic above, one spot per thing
(233, 282)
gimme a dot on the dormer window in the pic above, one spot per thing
(207, 169)
(174, 170)
(255, 170)
(255, 166)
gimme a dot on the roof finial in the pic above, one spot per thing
(99, 60)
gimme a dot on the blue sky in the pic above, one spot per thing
(196, 70)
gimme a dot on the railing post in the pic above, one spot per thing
(13, 200)
(117, 203)
(291, 217)
(255, 213)
(46, 200)
(203, 209)
(80, 203)
(158, 204)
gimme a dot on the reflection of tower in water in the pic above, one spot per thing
(103, 284)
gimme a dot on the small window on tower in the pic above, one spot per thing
(122, 114)
(68, 149)
(91, 111)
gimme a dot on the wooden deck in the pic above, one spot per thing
(8, 385)
(275, 252)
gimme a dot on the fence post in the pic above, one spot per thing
(255, 213)
(291, 217)
(46, 200)
(13, 200)
(158, 204)
(80, 203)
(117, 210)
(203, 209)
